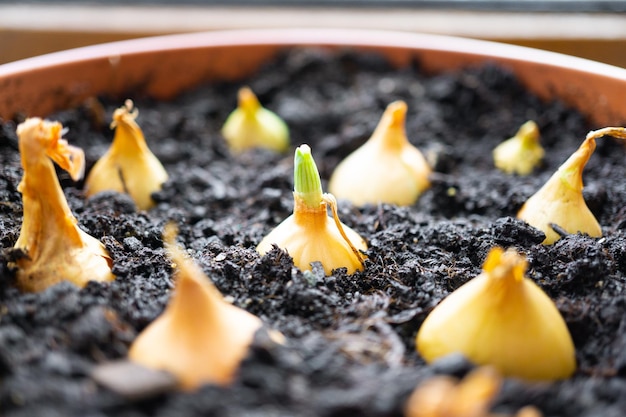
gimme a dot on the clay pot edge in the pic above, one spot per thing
(164, 65)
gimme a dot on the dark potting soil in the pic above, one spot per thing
(350, 347)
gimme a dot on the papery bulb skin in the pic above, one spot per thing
(503, 319)
(385, 169)
(309, 234)
(56, 248)
(521, 153)
(128, 166)
(251, 125)
(200, 337)
(560, 201)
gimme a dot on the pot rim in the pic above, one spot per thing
(449, 51)
(313, 36)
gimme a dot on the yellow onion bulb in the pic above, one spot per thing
(385, 169)
(445, 396)
(560, 201)
(251, 125)
(503, 319)
(56, 248)
(200, 337)
(309, 234)
(521, 153)
(128, 166)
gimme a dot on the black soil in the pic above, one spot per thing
(350, 347)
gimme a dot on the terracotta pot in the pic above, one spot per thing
(163, 66)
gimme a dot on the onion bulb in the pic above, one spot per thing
(560, 201)
(445, 396)
(521, 153)
(200, 337)
(309, 234)
(128, 166)
(386, 168)
(56, 248)
(251, 125)
(503, 319)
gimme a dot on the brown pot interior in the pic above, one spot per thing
(164, 66)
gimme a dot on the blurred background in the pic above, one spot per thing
(589, 29)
